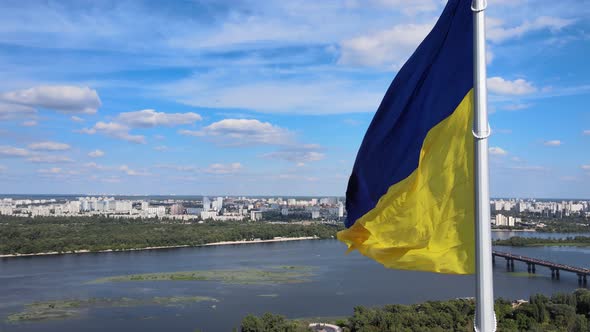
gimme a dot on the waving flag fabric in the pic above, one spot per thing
(410, 197)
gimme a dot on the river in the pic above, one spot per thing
(339, 283)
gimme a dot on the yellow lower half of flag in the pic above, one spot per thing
(426, 221)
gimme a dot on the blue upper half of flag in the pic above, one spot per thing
(427, 90)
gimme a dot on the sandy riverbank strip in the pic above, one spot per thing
(223, 243)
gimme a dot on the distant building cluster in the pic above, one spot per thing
(216, 209)
(500, 209)
(545, 207)
(502, 220)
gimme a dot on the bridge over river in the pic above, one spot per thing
(582, 273)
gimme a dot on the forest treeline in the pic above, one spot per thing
(560, 312)
(519, 241)
(54, 234)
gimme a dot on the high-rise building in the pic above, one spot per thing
(217, 204)
(157, 210)
(194, 211)
(73, 207)
(177, 209)
(123, 206)
(84, 204)
(255, 215)
(340, 210)
(206, 204)
(205, 215)
(315, 213)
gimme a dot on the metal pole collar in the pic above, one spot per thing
(481, 135)
(479, 5)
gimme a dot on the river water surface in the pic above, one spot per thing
(339, 283)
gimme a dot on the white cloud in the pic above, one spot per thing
(10, 151)
(516, 107)
(132, 172)
(298, 154)
(502, 131)
(275, 94)
(62, 98)
(529, 168)
(586, 167)
(115, 130)
(38, 159)
(160, 148)
(3, 168)
(11, 111)
(390, 47)
(568, 178)
(96, 153)
(217, 168)
(180, 168)
(407, 7)
(150, 118)
(53, 170)
(76, 118)
(489, 55)
(501, 86)
(497, 151)
(30, 123)
(223, 168)
(553, 143)
(110, 179)
(586, 133)
(49, 146)
(497, 32)
(98, 167)
(237, 132)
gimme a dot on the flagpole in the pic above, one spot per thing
(485, 318)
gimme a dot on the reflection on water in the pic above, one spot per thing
(339, 282)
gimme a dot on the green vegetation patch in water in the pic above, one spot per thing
(526, 274)
(276, 275)
(63, 309)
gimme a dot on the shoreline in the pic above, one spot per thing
(222, 243)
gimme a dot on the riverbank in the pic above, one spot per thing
(222, 243)
(517, 241)
(546, 244)
(54, 235)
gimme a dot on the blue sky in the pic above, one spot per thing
(266, 98)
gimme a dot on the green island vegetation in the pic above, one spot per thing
(63, 309)
(58, 234)
(518, 241)
(273, 275)
(527, 275)
(560, 312)
(568, 226)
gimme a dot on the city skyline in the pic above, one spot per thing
(271, 99)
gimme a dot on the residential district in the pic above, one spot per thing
(504, 212)
(217, 209)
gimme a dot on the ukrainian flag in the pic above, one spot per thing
(410, 198)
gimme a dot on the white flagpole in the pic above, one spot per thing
(485, 318)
